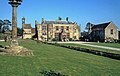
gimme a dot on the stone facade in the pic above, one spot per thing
(103, 32)
(111, 32)
(58, 30)
(27, 33)
(33, 32)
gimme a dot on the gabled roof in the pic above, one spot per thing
(103, 25)
(26, 26)
(58, 22)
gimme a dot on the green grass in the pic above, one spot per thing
(63, 60)
(114, 45)
(94, 48)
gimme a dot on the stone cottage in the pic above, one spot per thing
(103, 32)
(28, 31)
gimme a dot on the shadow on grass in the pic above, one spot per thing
(1, 46)
(51, 73)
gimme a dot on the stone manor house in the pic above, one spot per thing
(52, 30)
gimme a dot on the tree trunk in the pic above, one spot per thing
(0, 28)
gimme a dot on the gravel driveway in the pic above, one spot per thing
(85, 44)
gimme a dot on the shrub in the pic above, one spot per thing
(51, 73)
(2, 36)
(118, 41)
(53, 39)
(70, 39)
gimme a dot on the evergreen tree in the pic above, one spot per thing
(5, 26)
(1, 23)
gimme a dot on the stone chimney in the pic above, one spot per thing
(36, 22)
(67, 19)
(43, 20)
(90, 25)
(59, 18)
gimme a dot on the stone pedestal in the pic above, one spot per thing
(14, 43)
(15, 51)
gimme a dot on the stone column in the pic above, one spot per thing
(14, 4)
(14, 26)
(14, 23)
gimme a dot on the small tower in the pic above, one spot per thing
(23, 20)
(59, 18)
(23, 23)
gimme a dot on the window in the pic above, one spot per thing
(75, 30)
(74, 37)
(68, 35)
(56, 35)
(44, 33)
(57, 28)
(67, 28)
(111, 31)
(62, 27)
(44, 28)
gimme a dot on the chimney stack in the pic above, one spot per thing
(67, 18)
(43, 20)
(36, 22)
(59, 18)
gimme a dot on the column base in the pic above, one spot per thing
(14, 43)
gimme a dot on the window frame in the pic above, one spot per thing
(67, 28)
(44, 27)
(111, 31)
(57, 28)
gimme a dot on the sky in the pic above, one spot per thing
(80, 11)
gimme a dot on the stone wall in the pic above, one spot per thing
(108, 33)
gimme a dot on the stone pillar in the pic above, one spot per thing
(14, 23)
(14, 4)
(14, 26)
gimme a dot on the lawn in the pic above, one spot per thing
(93, 48)
(63, 60)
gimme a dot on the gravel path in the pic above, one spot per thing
(85, 44)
